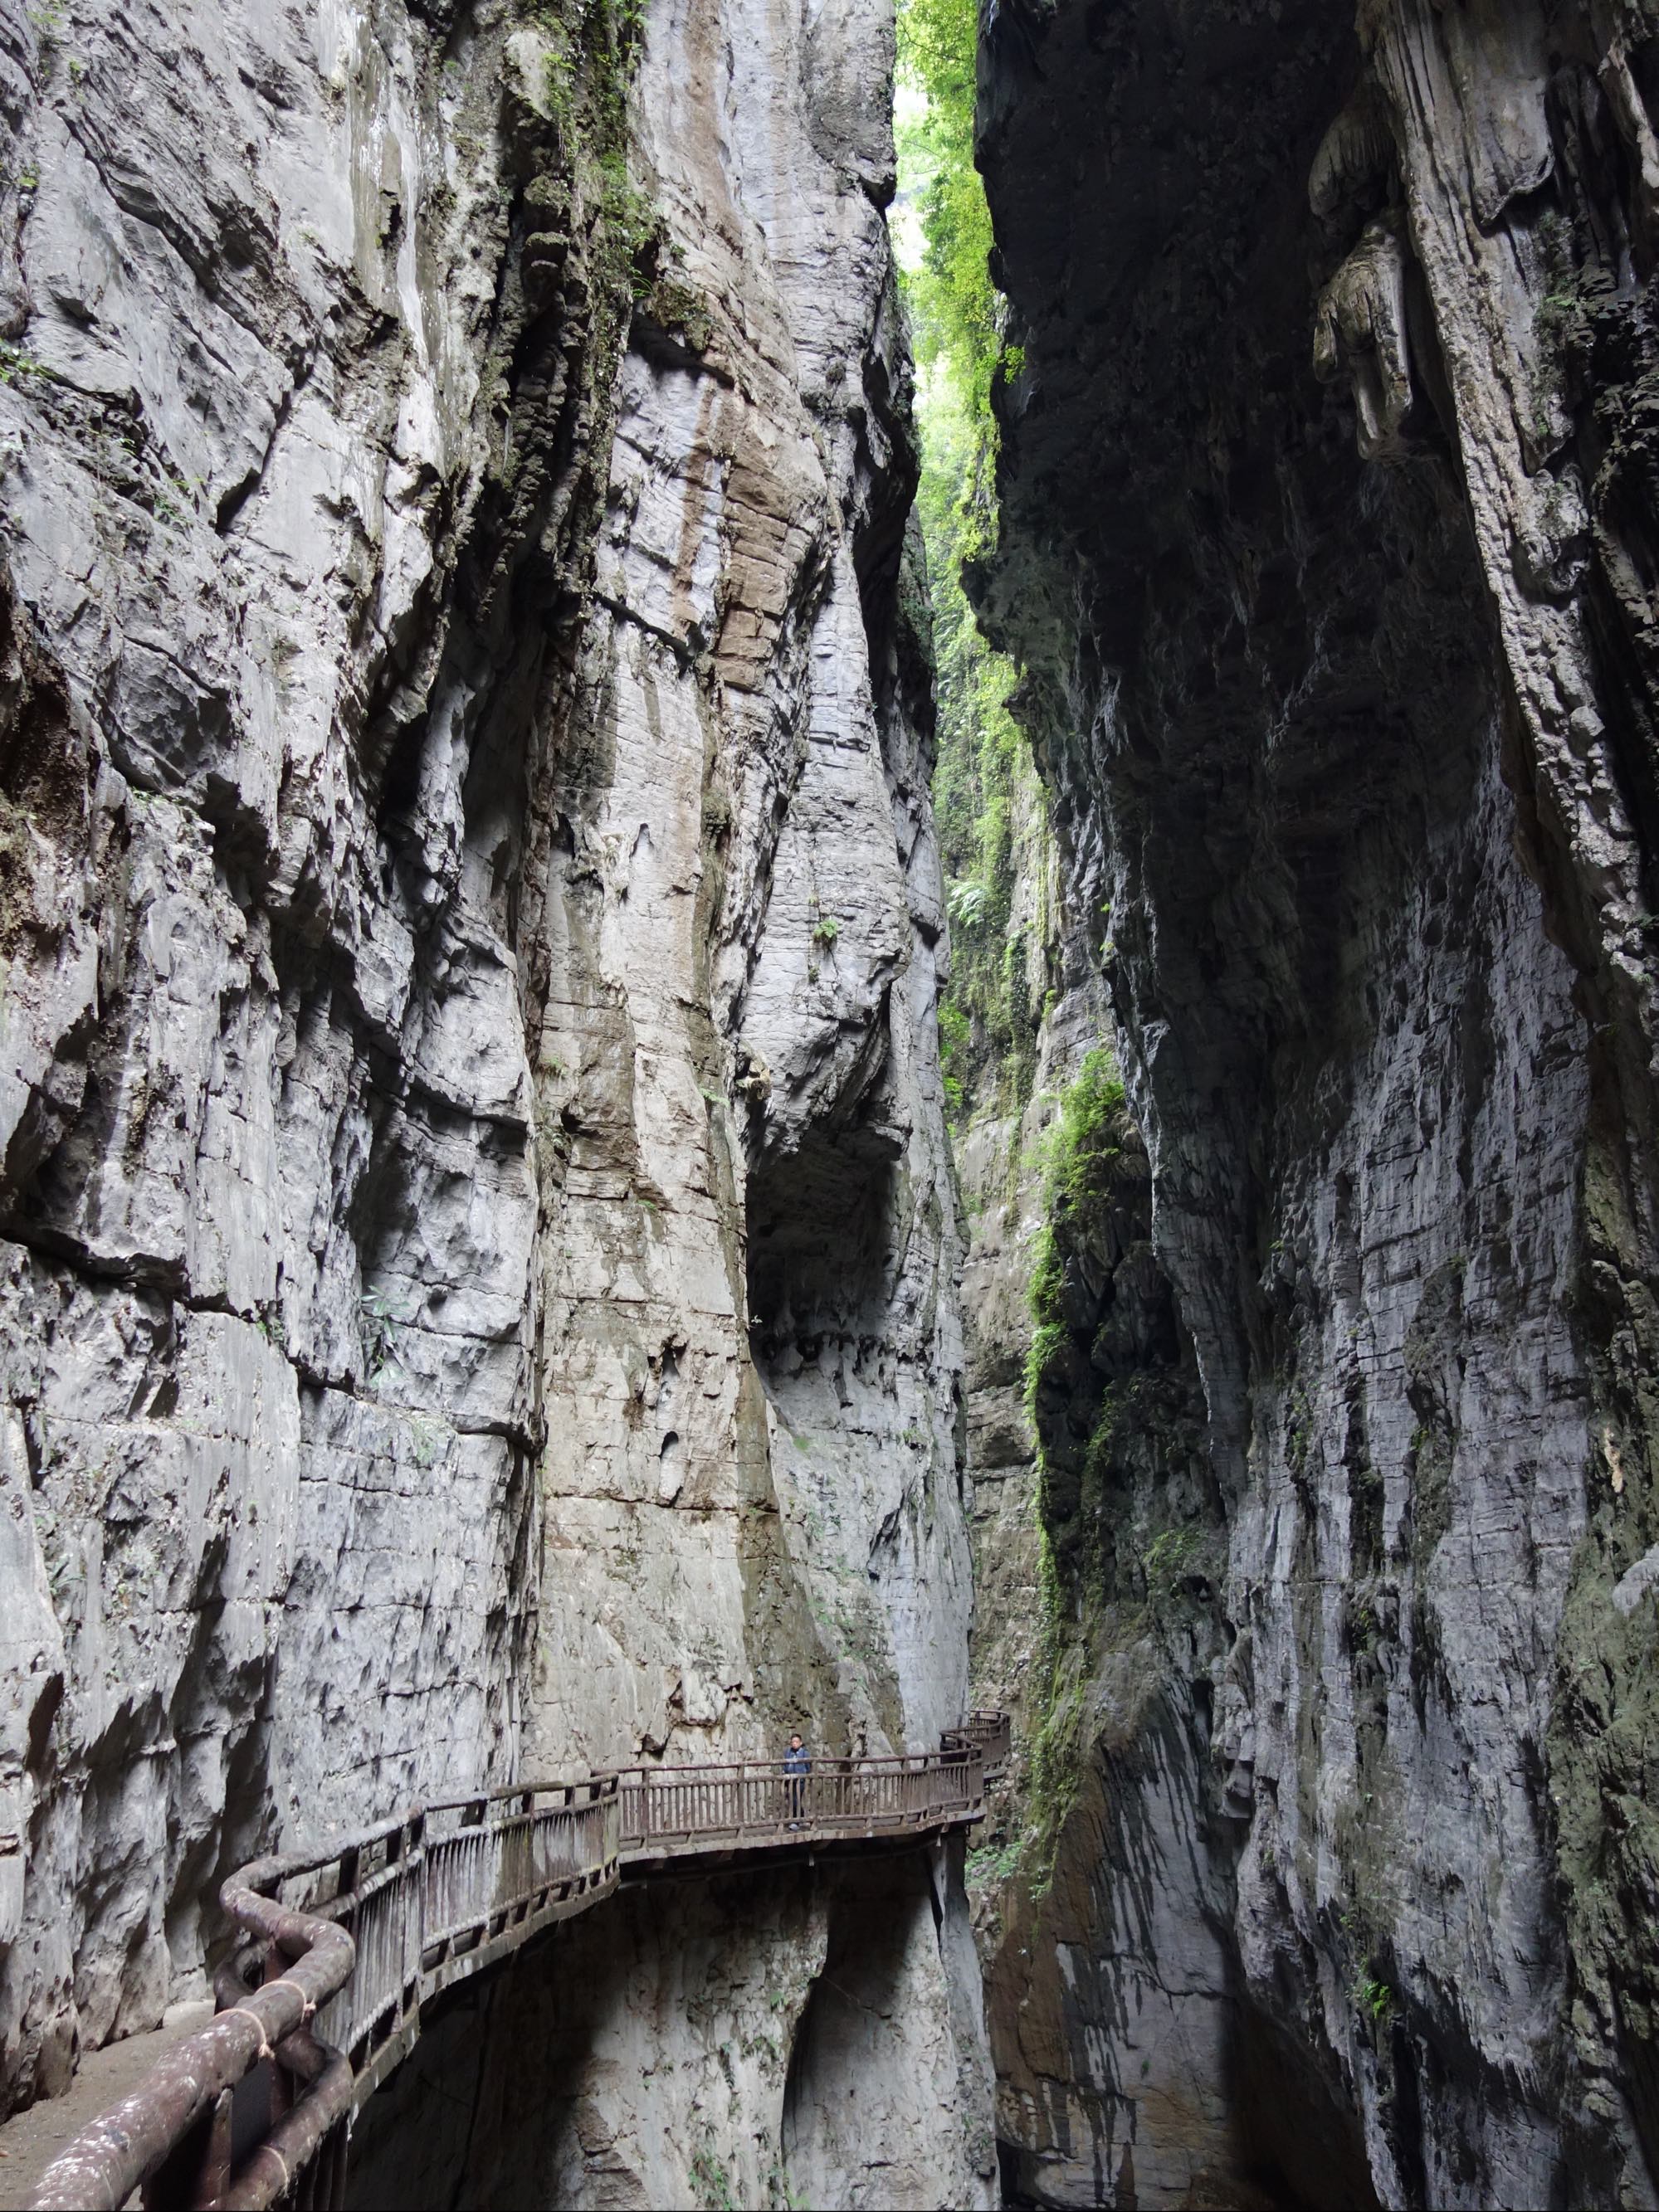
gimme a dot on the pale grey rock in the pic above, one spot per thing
(763, 800)
(420, 1036)
(779, 2038)
(1633, 1585)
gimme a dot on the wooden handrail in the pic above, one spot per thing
(342, 1946)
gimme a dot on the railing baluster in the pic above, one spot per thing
(419, 1895)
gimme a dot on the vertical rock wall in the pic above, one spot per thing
(771, 2038)
(272, 718)
(1322, 549)
(475, 1281)
(754, 1493)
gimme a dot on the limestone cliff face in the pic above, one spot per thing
(751, 1323)
(758, 2039)
(1324, 544)
(476, 1267)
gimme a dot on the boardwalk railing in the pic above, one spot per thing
(431, 1898)
(668, 1809)
(342, 1948)
(987, 1732)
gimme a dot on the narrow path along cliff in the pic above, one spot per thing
(478, 1286)
(343, 1955)
(826, 852)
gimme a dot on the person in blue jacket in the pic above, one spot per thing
(797, 1765)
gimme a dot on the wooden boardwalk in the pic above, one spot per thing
(343, 1947)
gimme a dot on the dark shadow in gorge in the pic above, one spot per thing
(1296, 2146)
(1259, 677)
(821, 1223)
(635, 2052)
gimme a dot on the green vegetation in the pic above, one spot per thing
(1057, 1746)
(1374, 1999)
(1169, 1557)
(1048, 1338)
(1085, 1147)
(45, 19)
(593, 46)
(380, 1324)
(988, 803)
(955, 310)
(15, 363)
(1122, 1558)
(989, 1865)
(1108, 1565)
(711, 2181)
(1084, 1143)
(778, 2188)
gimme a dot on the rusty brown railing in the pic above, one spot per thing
(179, 2126)
(669, 1810)
(342, 1948)
(988, 1732)
(431, 1898)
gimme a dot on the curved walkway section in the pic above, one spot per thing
(342, 1948)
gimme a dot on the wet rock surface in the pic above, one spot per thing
(1318, 547)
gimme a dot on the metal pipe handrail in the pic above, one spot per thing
(366, 1930)
(189, 2087)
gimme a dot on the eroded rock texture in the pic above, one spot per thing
(475, 1277)
(1326, 545)
(748, 1277)
(758, 2039)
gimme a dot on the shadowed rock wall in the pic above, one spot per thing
(790, 2036)
(1321, 549)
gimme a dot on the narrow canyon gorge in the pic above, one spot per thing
(825, 855)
